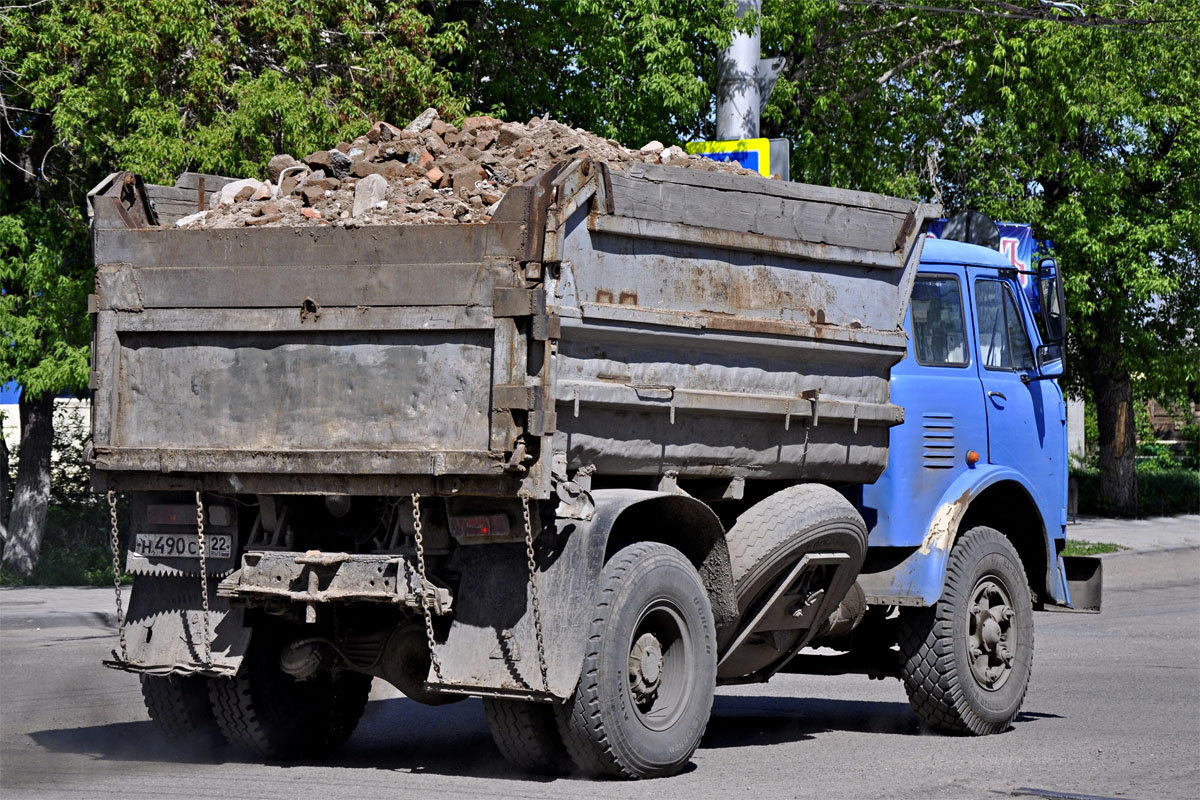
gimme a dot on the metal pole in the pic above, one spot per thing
(738, 94)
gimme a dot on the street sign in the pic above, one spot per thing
(753, 154)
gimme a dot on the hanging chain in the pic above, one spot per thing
(533, 586)
(426, 587)
(116, 562)
(203, 577)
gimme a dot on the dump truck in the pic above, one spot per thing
(587, 461)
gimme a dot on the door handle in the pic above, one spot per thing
(998, 394)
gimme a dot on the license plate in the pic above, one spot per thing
(183, 545)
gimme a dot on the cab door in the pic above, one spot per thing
(1025, 418)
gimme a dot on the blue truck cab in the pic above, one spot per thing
(968, 522)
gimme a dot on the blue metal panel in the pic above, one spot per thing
(944, 418)
(919, 500)
(1026, 429)
(934, 521)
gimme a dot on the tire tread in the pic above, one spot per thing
(179, 709)
(526, 735)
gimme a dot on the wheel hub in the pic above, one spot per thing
(988, 627)
(645, 668)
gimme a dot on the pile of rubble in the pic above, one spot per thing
(429, 172)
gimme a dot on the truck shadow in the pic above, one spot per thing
(748, 721)
(401, 735)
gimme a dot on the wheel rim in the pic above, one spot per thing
(660, 651)
(990, 633)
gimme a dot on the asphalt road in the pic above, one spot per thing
(1113, 711)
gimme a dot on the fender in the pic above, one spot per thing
(492, 645)
(918, 579)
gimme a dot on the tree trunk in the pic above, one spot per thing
(1112, 389)
(31, 494)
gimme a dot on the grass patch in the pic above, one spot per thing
(1076, 548)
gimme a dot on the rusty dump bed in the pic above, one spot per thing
(656, 321)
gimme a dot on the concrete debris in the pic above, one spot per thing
(238, 191)
(422, 121)
(428, 172)
(368, 194)
(278, 164)
(187, 222)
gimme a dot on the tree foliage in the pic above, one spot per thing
(1084, 126)
(157, 87)
(636, 70)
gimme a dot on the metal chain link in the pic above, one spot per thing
(116, 562)
(426, 587)
(203, 578)
(537, 605)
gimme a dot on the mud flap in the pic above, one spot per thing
(164, 629)
(492, 645)
(1084, 579)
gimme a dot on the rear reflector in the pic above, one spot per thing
(478, 528)
(185, 515)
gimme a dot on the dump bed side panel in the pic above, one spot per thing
(714, 326)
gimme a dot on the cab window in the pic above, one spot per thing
(1003, 343)
(939, 333)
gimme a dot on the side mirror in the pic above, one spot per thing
(1053, 301)
(1050, 362)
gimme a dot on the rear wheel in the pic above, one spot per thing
(527, 735)
(179, 708)
(646, 691)
(268, 713)
(966, 662)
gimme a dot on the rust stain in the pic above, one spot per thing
(945, 524)
(604, 296)
(627, 299)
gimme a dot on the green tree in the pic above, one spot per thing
(1085, 126)
(633, 70)
(157, 87)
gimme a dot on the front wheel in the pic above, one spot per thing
(646, 691)
(966, 662)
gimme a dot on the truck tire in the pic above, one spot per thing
(179, 709)
(767, 539)
(269, 714)
(966, 662)
(527, 735)
(646, 691)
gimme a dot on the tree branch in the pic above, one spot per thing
(883, 79)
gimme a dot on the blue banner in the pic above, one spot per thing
(1020, 248)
